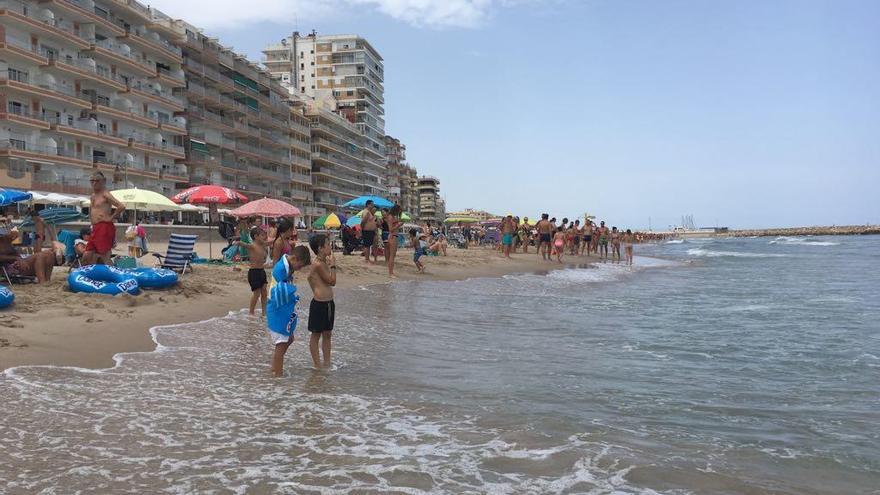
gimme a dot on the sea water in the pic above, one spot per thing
(712, 366)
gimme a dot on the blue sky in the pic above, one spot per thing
(746, 113)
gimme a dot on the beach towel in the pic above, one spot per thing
(281, 308)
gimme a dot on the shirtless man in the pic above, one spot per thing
(102, 216)
(544, 236)
(368, 229)
(37, 265)
(508, 229)
(587, 238)
(604, 237)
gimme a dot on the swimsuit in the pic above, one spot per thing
(545, 237)
(322, 314)
(257, 278)
(507, 240)
(369, 237)
(103, 237)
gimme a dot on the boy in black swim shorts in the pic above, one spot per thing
(257, 273)
(322, 310)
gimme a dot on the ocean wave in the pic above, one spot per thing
(802, 241)
(675, 241)
(198, 415)
(705, 253)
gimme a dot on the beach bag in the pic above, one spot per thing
(130, 233)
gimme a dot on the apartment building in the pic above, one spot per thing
(431, 206)
(472, 213)
(347, 70)
(337, 157)
(402, 179)
(244, 131)
(88, 85)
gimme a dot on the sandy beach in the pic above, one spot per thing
(49, 325)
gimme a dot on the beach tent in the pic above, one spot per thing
(361, 202)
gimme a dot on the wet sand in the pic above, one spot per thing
(53, 326)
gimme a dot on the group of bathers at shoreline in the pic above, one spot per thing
(574, 238)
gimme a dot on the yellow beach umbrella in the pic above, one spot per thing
(144, 200)
(332, 222)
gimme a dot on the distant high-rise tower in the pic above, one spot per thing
(344, 68)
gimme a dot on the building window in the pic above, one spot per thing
(302, 66)
(313, 86)
(303, 89)
(312, 52)
(313, 63)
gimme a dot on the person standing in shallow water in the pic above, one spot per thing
(544, 236)
(390, 235)
(508, 229)
(322, 310)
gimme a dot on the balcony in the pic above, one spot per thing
(17, 49)
(162, 149)
(123, 57)
(170, 78)
(84, 129)
(155, 45)
(301, 178)
(27, 18)
(146, 92)
(86, 10)
(21, 82)
(24, 116)
(172, 128)
(20, 149)
(132, 115)
(86, 68)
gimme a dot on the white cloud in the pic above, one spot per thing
(212, 14)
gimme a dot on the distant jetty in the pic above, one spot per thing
(802, 231)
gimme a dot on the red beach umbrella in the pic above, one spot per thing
(266, 207)
(209, 195)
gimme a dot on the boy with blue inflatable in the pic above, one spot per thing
(281, 309)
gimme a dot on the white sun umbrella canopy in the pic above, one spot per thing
(144, 200)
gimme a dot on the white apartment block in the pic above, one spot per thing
(87, 85)
(347, 70)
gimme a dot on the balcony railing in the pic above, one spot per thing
(28, 11)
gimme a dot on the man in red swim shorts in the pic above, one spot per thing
(102, 215)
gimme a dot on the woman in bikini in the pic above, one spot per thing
(615, 244)
(628, 239)
(559, 243)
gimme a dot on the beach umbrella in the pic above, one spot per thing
(266, 207)
(361, 202)
(10, 196)
(405, 217)
(353, 221)
(212, 196)
(143, 200)
(55, 216)
(330, 221)
(208, 194)
(531, 222)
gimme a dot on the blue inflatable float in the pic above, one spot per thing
(152, 278)
(6, 297)
(102, 279)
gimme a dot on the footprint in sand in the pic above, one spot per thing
(10, 321)
(5, 343)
